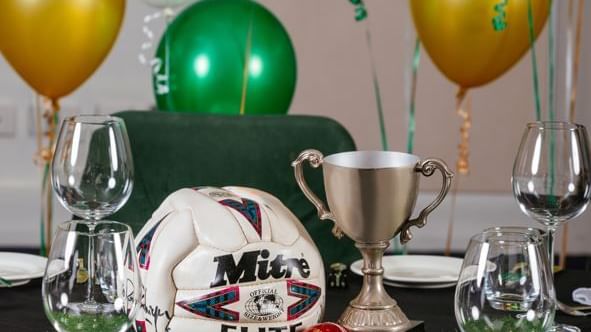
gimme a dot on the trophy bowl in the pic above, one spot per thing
(371, 195)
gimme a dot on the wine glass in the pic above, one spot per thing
(92, 173)
(551, 179)
(92, 168)
(66, 278)
(505, 283)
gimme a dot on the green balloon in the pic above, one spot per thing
(201, 59)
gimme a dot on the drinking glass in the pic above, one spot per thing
(92, 173)
(551, 179)
(92, 168)
(505, 283)
(66, 279)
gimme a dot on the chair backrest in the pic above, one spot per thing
(178, 150)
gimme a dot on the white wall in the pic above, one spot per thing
(333, 80)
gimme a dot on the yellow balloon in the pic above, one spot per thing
(475, 41)
(55, 45)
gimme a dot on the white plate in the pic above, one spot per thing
(17, 266)
(420, 285)
(418, 268)
(15, 283)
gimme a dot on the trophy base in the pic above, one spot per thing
(390, 319)
(373, 310)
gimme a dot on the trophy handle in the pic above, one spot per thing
(314, 157)
(427, 167)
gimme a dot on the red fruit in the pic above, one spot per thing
(326, 327)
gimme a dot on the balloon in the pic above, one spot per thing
(209, 44)
(475, 41)
(165, 3)
(55, 45)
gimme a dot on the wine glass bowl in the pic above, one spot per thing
(116, 278)
(551, 179)
(505, 283)
(553, 208)
(92, 167)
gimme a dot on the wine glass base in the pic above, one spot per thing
(92, 307)
(563, 328)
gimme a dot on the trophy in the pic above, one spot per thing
(371, 195)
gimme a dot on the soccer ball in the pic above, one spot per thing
(227, 259)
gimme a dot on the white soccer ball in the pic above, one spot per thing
(229, 259)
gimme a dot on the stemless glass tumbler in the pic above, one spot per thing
(505, 283)
(66, 281)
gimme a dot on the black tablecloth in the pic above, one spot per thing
(21, 308)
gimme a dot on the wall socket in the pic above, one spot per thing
(8, 120)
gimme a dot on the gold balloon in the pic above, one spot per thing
(55, 45)
(475, 41)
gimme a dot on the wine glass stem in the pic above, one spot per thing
(91, 270)
(550, 243)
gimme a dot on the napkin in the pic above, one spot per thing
(582, 295)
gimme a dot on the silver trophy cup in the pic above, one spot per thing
(371, 195)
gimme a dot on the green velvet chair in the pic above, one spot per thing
(177, 150)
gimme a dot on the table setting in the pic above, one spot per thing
(93, 276)
(288, 226)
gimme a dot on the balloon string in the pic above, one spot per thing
(48, 110)
(168, 15)
(376, 86)
(551, 85)
(534, 62)
(465, 113)
(37, 159)
(45, 212)
(452, 217)
(462, 165)
(572, 104)
(149, 33)
(573, 95)
(410, 141)
(361, 15)
(499, 22)
(551, 63)
(161, 82)
(245, 69)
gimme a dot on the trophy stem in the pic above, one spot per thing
(373, 310)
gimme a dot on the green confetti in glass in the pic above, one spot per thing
(95, 323)
(506, 324)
